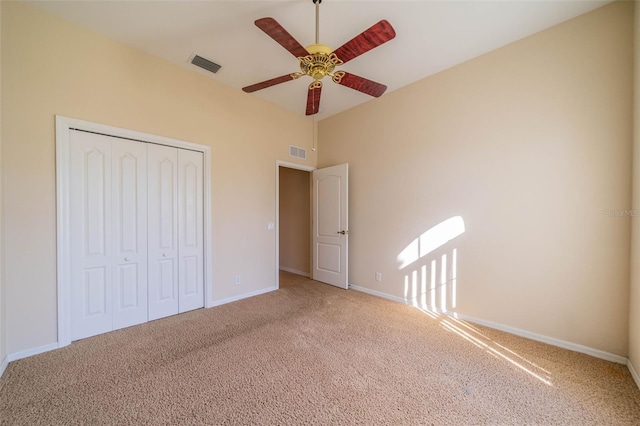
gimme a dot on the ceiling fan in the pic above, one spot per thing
(319, 60)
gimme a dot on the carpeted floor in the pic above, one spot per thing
(310, 353)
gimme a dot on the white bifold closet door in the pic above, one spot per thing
(163, 231)
(190, 230)
(176, 270)
(136, 232)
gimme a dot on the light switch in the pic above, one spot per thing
(271, 226)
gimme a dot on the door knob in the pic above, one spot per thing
(343, 232)
(126, 259)
(164, 254)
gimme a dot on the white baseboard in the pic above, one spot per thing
(633, 372)
(31, 352)
(24, 354)
(518, 332)
(295, 271)
(597, 353)
(379, 294)
(534, 336)
(241, 296)
(3, 365)
(46, 348)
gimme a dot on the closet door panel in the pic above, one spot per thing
(90, 234)
(129, 210)
(162, 231)
(190, 230)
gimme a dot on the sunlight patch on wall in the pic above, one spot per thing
(432, 283)
(431, 240)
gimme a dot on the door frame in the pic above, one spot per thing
(64, 125)
(280, 163)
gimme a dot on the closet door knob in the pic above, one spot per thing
(126, 259)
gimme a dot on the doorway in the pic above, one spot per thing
(293, 215)
(295, 221)
(328, 226)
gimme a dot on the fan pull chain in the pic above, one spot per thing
(314, 134)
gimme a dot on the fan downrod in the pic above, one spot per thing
(321, 60)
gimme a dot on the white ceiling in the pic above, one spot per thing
(431, 36)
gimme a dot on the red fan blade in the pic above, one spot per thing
(267, 83)
(313, 100)
(378, 34)
(279, 34)
(363, 85)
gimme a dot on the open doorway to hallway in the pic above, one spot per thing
(294, 221)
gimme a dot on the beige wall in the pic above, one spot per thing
(295, 221)
(53, 67)
(634, 317)
(530, 144)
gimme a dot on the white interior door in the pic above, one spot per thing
(129, 237)
(190, 231)
(330, 225)
(90, 230)
(162, 231)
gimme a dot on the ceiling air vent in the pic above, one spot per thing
(294, 151)
(205, 64)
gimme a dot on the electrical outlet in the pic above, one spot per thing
(237, 279)
(378, 276)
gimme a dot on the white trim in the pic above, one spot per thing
(46, 348)
(208, 242)
(63, 127)
(379, 294)
(634, 373)
(597, 353)
(4, 364)
(295, 271)
(554, 342)
(296, 166)
(63, 246)
(31, 352)
(24, 354)
(243, 296)
(280, 163)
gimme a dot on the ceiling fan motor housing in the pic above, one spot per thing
(321, 61)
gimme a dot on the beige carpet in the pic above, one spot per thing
(313, 354)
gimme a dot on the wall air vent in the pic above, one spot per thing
(297, 152)
(205, 64)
